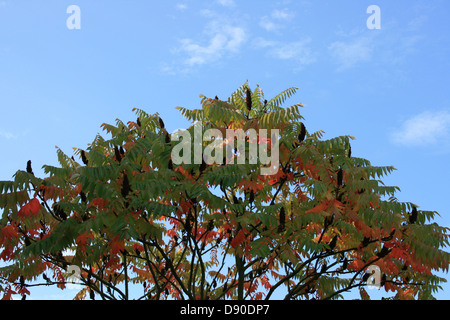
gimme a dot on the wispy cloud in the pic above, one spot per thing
(267, 24)
(221, 37)
(349, 53)
(7, 135)
(284, 14)
(426, 128)
(298, 51)
(226, 3)
(276, 20)
(181, 6)
(391, 46)
(223, 40)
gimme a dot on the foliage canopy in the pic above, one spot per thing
(138, 226)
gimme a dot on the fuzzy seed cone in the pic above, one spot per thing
(83, 196)
(252, 196)
(161, 123)
(302, 133)
(167, 138)
(248, 99)
(117, 154)
(339, 177)
(125, 186)
(83, 157)
(29, 170)
(413, 216)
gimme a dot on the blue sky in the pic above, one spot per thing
(387, 87)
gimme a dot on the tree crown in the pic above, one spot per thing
(131, 220)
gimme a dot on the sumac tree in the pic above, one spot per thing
(137, 225)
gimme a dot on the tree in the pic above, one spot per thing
(138, 225)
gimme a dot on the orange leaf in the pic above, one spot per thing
(30, 209)
(265, 282)
(137, 246)
(356, 265)
(239, 239)
(51, 193)
(117, 245)
(99, 203)
(8, 294)
(82, 239)
(9, 232)
(319, 208)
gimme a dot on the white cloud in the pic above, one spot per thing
(224, 39)
(284, 14)
(417, 22)
(299, 51)
(347, 54)
(222, 36)
(181, 6)
(7, 135)
(267, 24)
(226, 3)
(426, 128)
(276, 20)
(263, 43)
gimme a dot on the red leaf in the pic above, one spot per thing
(9, 232)
(30, 209)
(117, 245)
(356, 265)
(265, 282)
(82, 239)
(51, 193)
(239, 239)
(319, 208)
(99, 203)
(137, 246)
(9, 292)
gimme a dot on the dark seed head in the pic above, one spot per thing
(167, 137)
(413, 215)
(117, 154)
(248, 99)
(83, 157)
(339, 177)
(252, 196)
(29, 170)
(83, 196)
(161, 123)
(302, 134)
(125, 186)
